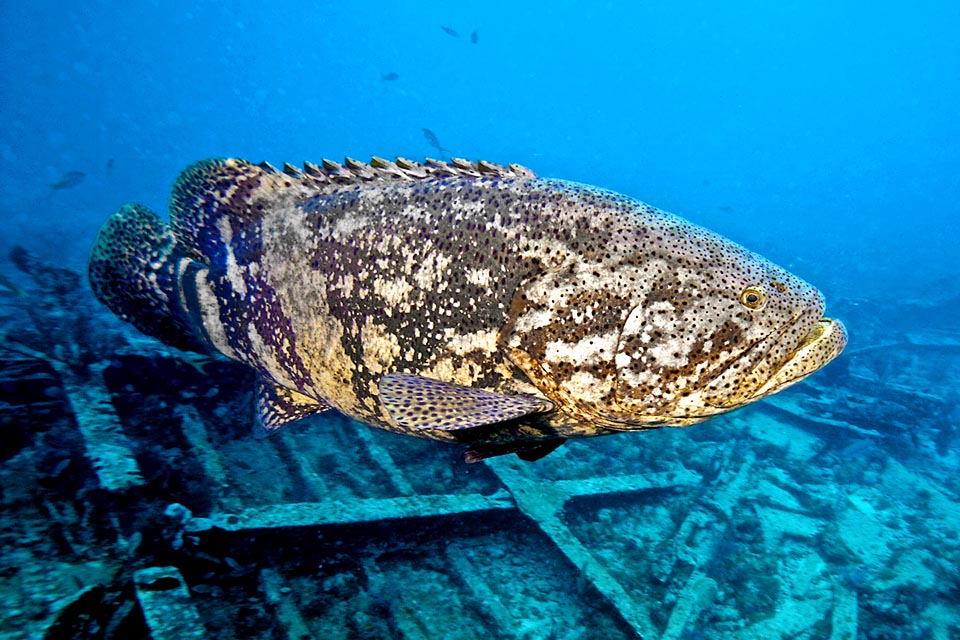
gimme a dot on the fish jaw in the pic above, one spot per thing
(824, 342)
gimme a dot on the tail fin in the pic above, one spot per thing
(134, 270)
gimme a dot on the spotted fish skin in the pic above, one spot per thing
(361, 287)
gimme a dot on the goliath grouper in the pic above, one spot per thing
(463, 302)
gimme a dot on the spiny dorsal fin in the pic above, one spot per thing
(292, 171)
(266, 166)
(380, 169)
(213, 192)
(312, 170)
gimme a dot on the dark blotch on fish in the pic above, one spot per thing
(450, 32)
(69, 179)
(389, 77)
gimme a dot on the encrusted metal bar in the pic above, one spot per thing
(106, 445)
(382, 458)
(698, 594)
(626, 484)
(166, 605)
(843, 621)
(487, 600)
(303, 467)
(195, 432)
(314, 514)
(543, 501)
(272, 584)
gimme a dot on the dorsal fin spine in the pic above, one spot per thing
(292, 171)
(209, 191)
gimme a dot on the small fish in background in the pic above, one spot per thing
(726, 209)
(389, 77)
(450, 32)
(69, 179)
(435, 142)
(109, 166)
(474, 38)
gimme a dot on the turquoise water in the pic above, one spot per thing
(823, 135)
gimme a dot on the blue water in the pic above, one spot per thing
(824, 135)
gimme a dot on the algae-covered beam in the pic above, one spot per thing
(843, 621)
(335, 512)
(290, 617)
(543, 502)
(627, 484)
(106, 445)
(167, 607)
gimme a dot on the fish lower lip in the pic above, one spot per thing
(815, 332)
(800, 364)
(822, 327)
(825, 329)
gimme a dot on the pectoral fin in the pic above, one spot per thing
(276, 406)
(422, 403)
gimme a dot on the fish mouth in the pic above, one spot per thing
(823, 342)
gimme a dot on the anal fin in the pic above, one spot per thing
(526, 451)
(276, 406)
(541, 450)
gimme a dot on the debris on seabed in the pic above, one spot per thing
(136, 502)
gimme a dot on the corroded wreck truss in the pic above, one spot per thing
(137, 502)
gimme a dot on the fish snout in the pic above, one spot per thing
(823, 342)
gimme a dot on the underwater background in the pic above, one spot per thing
(822, 135)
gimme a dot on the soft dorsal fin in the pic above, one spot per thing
(214, 200)
(276, 406)
(134, 271)
(423, 403)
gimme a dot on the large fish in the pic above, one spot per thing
(464, 302)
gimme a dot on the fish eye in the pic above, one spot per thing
(753, 298)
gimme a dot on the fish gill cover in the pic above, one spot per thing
(136, 499)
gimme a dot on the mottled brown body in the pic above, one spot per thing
(617, 315)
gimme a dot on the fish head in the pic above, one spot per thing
(715, 327)
(655, 321)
